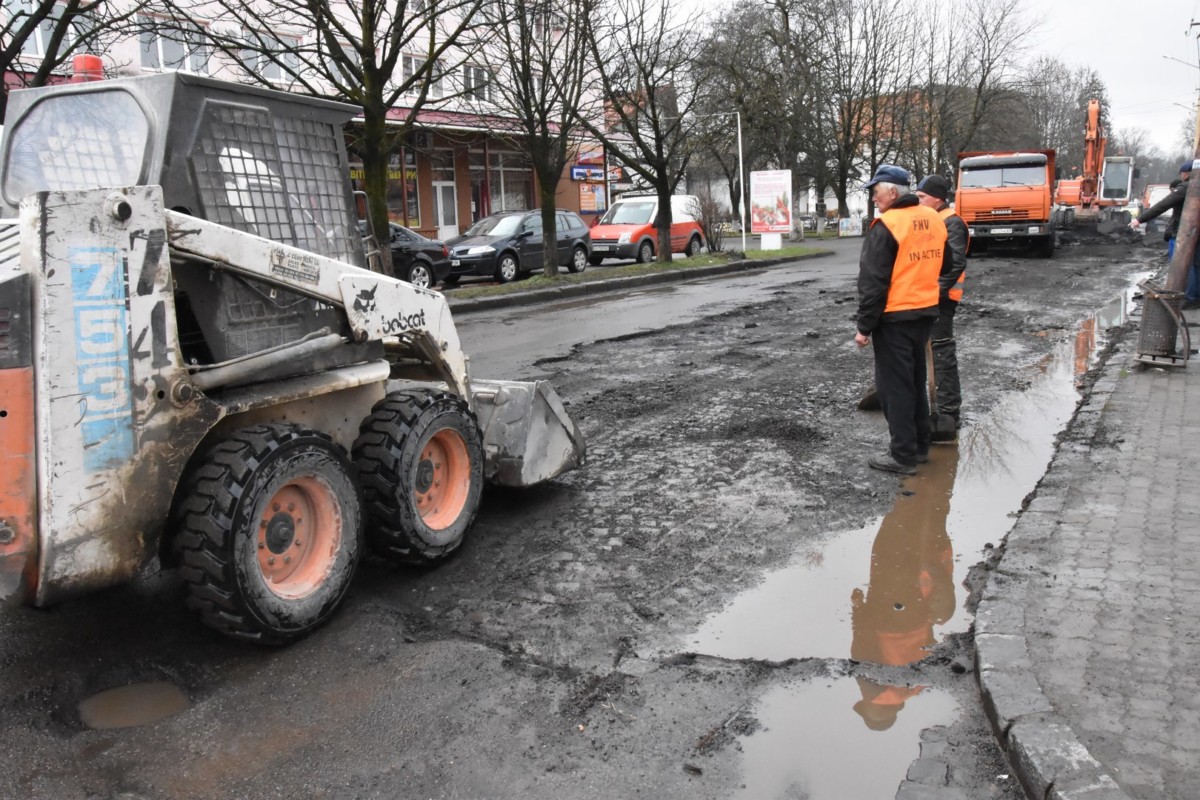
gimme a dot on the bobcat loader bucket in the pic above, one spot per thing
(527, 435)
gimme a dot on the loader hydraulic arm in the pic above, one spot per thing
(377, 307)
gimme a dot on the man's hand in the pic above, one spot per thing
(1135, 224)
(861, 339)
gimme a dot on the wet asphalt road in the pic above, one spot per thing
(581, 645)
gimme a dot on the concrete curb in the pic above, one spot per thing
(613, 284)
(1043, 751)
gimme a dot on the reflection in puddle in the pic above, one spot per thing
(133, 706)
(884, 592)
(838, 739)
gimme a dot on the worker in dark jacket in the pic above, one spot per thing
(932, 192)
(903, 253)
(1173, 202)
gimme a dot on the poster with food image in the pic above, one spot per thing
(771, 201)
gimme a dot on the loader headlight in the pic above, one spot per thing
(624, 238)
(481, 250)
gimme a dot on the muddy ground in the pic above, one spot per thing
(553, 657)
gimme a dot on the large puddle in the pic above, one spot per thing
(888, 591)
(837, 739)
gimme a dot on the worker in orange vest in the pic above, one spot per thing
(902, 256)
(933, 191)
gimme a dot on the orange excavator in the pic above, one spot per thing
(1105, 182)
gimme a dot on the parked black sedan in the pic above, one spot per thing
(509, 244)
(420, 261)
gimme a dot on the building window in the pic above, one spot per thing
(510, 182)
(35, 46)
(273, 57)
(173, 45)
(477, 82)
(437, 87)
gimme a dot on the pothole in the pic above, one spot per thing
(133, 706)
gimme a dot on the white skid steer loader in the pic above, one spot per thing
(196, 366)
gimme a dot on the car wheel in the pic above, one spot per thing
(420, 275)
(451, 280)
(645, 252)
(506, 269)
(694, 246)
(595, 261)
(579, 260)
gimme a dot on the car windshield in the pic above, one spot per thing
(628, 213)
(1013, 175)
(495, 226)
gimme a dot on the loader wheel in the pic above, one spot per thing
(267, 533)
(420, 458)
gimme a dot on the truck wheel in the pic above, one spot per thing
(645, 253)
(420, 459)
(579, 260)
(506, 268)
(694, 247)
(1045, 247)
(267, 533)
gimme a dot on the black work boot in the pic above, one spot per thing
(888, 463)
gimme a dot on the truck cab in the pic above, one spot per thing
(1006, 197)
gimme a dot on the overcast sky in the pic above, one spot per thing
(1125, 41)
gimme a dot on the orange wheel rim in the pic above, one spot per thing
(299, 534)
(443, 479)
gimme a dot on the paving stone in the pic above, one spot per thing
(1102, 701)
(929, 771)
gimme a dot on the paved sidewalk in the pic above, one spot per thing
(1088, 634)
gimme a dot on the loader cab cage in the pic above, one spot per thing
(268, 163)
(264, 162)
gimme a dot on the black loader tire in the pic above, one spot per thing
(420, 461)
(267, 536)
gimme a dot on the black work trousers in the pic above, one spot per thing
(945, 361)
(900, 380)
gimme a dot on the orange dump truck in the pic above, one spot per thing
(1006, 197)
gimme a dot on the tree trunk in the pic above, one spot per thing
(375, 179)
(662, 222)
(549, 230)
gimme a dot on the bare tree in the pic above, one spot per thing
(380, 55)
(642, 58)
(38, 37)
(538, 52)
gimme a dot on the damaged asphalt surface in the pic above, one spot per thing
(554, 655)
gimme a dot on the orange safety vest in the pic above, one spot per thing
(921, 236)
(956, 290)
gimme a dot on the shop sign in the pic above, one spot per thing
(587, 173)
